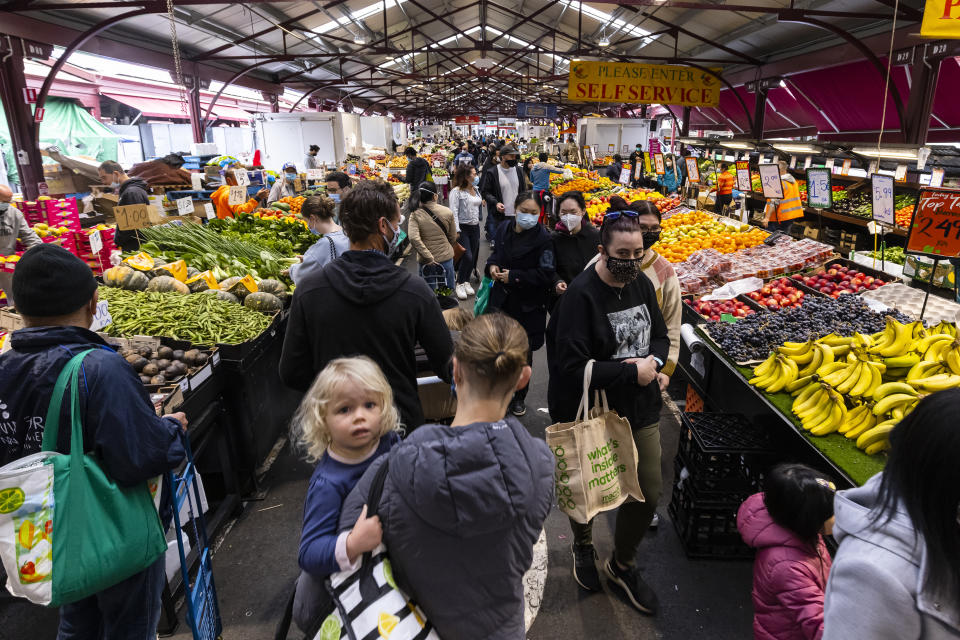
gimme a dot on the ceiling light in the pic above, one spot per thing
(359, 39)
(796, 148)
(736, 145)
(603, 42)
(895, 154)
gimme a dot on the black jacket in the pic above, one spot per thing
(490, 185)
(132, 191)
(574, 250)
(613, 171)
(596, 321)
(417, 170)
(363, 304)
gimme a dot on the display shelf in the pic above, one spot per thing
(854, 220)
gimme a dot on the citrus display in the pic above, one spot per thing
(685, 233)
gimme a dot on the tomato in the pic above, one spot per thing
(28, 569)
(48, 527)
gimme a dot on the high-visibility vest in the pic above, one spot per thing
(790, 207)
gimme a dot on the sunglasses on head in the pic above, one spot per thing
(613, 215)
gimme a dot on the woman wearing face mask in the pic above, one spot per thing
(672, 178)
(465, 203)
(575, 240)
(283, 187)
(609, 314)
(332, 243)
(433, 232)
(523, 269)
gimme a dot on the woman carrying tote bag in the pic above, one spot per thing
(609, 314)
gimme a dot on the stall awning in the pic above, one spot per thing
(163, 108)
(226, 112)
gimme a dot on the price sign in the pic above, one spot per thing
(238, 195)
(209, 210)
(646, 163)
(845, 170)
(298, 185)
(637, 168)
(936, 178)
(135, 216)
(96, 242)
(243, 179)
(102, 317)
(882, 198)
(770, 181)
(807, 162)
(43, 188)
(352, 169)
(830, 163)
(624, 176)
(743, 175)
(314, 174)
(610, 149)
(693, 171)
(901, 173)
(819, 188)
(196, 181)
(658, 162)
(793, 162)
(436, 164)
(935, 228)
(372, 164)
(184, 206)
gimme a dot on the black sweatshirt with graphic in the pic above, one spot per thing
(596, 321)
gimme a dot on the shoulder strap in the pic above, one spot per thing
(437, 220)
(51, 424)
(333, 249)
(376, 487)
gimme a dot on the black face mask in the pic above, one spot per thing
(650, 238)
(511, 162)
(624, 270)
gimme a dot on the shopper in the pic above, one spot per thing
(221, 197)
(609, 314)
(500, 185)
(463, 505)
(725, 184)
(432, 230)
(636, 160)
(13, 227)
(318, 211)
(130, 191)
(465, 203)
(311, 161)
(523, 270)
(346, 421)
(527, 166)
(284, 186)
(897, 572)
(671, 180)
(363, 304)
(570, 151)
(778, 215)
(464, 157)
(57, 296)
(613, 171)
(786, 524)
(575, 240)
(417, 171)
(540, 174)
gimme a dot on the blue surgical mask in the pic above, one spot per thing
(291, 176)
(114, 185)
(392, 244)
(476, 181)
(334, 196)
(527, 220)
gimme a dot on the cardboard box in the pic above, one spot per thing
(920, 267)
(10, 321)
(811, 232)
(103, 204)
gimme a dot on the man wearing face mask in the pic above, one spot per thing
(338, 186)
(363, 304)
(284, 186)
(610, 314)
(13, 227)
(501, 183)
(131, 191)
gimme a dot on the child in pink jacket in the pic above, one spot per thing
(784, 524)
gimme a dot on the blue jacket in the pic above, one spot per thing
(464, 156)
(120, 426)
(461, 509)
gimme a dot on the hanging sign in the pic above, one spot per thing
(637, 169)
(237, 195)
(96, 242)
(936, 178)
(770, 180)
(793, 162)
(38, 114)
(882, 198)
(693, 171)
(846, 167)
(941, 19)
(658, 162)
(873, 168)
(625, 176)
(243, 179)
(611, 148)
(184, 206)
(646, 163)
(29, 95)
(807, 162)
(743, 175)
(43, 188)
(830, 162)
(935, 228)
(135, 216)
(607, 81)
(819, 188)
(901, 173)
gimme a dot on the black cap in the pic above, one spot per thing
(49, 281)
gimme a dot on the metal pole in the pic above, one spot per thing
(19, 117)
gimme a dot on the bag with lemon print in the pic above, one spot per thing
(67, 531)
(368, 603)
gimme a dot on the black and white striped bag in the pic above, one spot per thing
(368, 603)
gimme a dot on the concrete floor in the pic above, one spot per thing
(256, 563)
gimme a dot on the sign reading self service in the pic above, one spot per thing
(941, 19)
(607, 81)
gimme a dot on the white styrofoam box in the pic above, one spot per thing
(203, 148)
(866, 260)
(172, 557)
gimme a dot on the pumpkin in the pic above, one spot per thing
(223, 295)
(192, 271)
(264, 302)
(235, 286)
(275, 287)
(198, 285)
(124, 277)
(167, 283)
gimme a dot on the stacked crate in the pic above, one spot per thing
(99, 262)
(721, 460)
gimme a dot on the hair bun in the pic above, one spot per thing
(618, 204)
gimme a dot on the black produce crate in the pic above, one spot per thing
(734, 488)
(720, 446)
(707, 528)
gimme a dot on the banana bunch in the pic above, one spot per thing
(839, 344)
(877, 438)
(820, 408)
(894, 398)
(896, 339)
(934, 375)
(775, 373)
(809, 356)
(944, 328)
(856, 379)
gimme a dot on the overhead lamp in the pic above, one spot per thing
(359, 39)
(893, 154)
(736, 145)
(795, 148)
(604, 41)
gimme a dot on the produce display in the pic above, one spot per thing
(890, 254)
(287, 235)
(163, 365)
(838, 279)
(715, 309)
(686, 233)
(778, 294)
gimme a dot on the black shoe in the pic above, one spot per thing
(517, 407)
(638, 592)
(585, 567)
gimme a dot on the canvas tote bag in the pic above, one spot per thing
(596, 458)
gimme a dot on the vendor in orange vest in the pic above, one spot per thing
(780, 214)
(725, 184)
(221, 197)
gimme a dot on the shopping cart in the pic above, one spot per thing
(200, 595)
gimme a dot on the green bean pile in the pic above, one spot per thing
(200, 318)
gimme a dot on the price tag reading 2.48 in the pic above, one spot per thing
(935, 229)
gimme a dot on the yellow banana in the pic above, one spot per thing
(804, 395)
(821, 413)
(855, 431)
(875, 434)
(931, 340)
(834, 340)
(850, 381)
(837, 412)
(937, 382)
(831, 367)
(924, 369)
(799, 384)
(904, 360)
(889, 402)
(840, 350)
(799, 351)
(821, 355)
(787, 374)
(814, 406)
(877, 447)
(953, 360)
(900, 344)
(892, 387)
(810, 402)
(855, 417)
(869, 381)
(764, 367)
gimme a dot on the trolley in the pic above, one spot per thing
(200, 594)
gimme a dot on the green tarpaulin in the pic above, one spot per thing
(68, 126)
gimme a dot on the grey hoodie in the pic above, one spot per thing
(461, 510)
(875, 591)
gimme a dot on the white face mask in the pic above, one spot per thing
(571, 221)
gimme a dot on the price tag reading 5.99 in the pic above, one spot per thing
(935, 230)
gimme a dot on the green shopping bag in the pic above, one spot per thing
(483, 297)
(75, 532)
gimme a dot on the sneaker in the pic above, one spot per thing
(461, 292)
(585, 567)
(517, 407)
(469, 289)
(638, 592)
(656, 521)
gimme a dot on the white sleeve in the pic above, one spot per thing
(340, 552)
